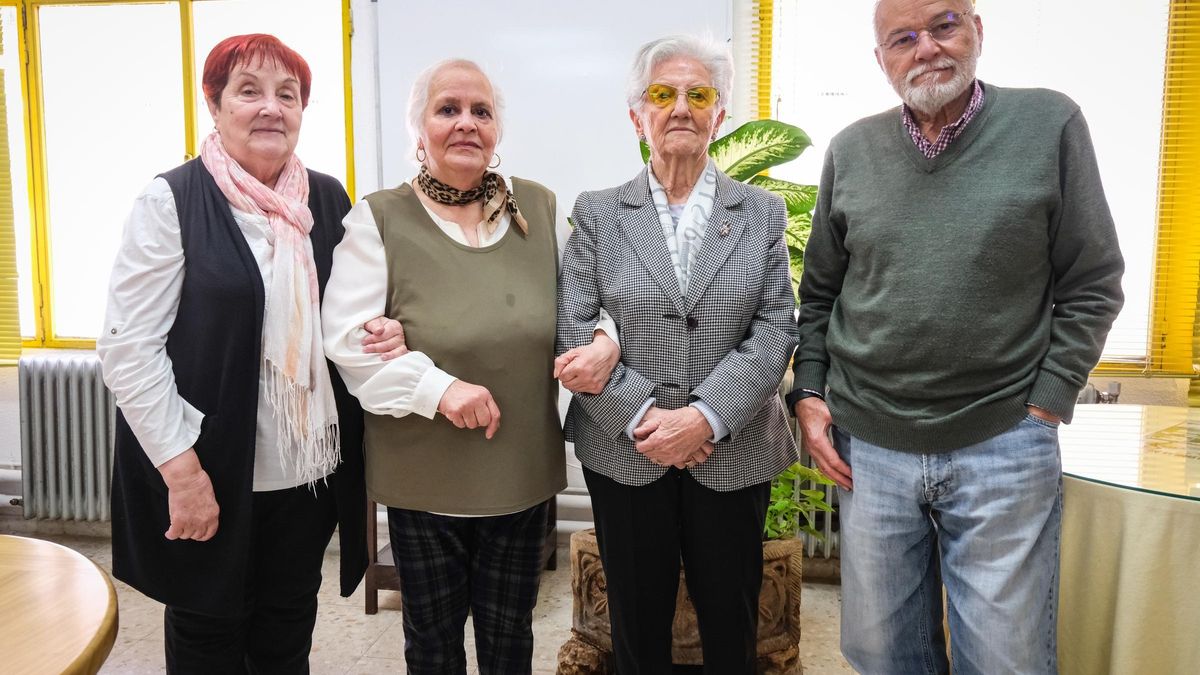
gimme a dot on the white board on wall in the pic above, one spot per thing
(561, 66)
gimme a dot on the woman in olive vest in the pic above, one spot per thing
(237, 449)
(472, 278)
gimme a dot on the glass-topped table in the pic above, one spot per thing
(1149, 448)
(1130, 541)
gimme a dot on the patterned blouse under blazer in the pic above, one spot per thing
(727, 342)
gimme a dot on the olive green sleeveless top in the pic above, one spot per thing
(486, 316)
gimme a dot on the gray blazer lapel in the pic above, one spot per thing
(721, 235)
(640, 221)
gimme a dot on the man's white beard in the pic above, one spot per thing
(932, 97)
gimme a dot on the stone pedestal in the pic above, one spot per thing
(589, 651)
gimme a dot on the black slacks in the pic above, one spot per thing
(489, 565)
(273, 631)
(643, 533)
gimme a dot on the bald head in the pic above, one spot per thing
(887, 9)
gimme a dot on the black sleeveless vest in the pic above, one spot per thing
(215, 350)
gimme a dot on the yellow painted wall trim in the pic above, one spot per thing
(187, 45)
(36, 171)
(766, 32)
(347, 97)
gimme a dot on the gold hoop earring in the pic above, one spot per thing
(421, 157)
(497, 164)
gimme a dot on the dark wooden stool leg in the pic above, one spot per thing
(381, 569)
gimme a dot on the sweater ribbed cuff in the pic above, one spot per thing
(805, 371)
(1054, 395)
(810, 375)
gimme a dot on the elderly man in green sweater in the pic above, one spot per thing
(962, 274)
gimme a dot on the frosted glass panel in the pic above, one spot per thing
(114, 119)
(314, 29)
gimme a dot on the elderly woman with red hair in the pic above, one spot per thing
(237, 447)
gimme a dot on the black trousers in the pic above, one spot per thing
(273, 631)
(643, 533)
(448, 565)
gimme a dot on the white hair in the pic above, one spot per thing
(418, 98)
(714, 57)
(930, 98)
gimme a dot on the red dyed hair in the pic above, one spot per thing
(252, 49)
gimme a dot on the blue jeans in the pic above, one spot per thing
(984, 520)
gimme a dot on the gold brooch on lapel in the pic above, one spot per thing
(724, 231)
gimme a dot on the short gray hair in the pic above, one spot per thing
(418, 97)
(714, 57)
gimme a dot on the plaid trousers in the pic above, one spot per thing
(448, 565)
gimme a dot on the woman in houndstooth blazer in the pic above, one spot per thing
(679, 448)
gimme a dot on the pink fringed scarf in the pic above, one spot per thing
(298, 385)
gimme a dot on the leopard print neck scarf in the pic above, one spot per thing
(492, 191)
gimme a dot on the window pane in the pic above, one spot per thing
(14, 103)
(314, 29)
(114, 119)
(1030, 43)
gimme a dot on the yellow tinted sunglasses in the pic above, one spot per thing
(699, 98)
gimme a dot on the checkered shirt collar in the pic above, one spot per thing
(948, 132)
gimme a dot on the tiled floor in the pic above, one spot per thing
(347, 640)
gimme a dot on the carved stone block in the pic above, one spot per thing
(590, 647)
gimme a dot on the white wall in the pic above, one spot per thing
(561, 67)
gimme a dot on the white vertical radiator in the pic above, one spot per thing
(67, 420)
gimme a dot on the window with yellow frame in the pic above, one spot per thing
(41, 155)
(106, 98)
(1145, 126)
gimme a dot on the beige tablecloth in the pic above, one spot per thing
(1130, 582)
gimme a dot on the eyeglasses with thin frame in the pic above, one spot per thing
(664, 95)
(941, 29)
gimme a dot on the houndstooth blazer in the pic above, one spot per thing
(726, 343)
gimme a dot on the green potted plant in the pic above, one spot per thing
(745, 154)
(797, 493)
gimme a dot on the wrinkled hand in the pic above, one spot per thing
(384, 336)
(585, 370)
(674, 437)
(697, 456)
(815, 422)
(470, 406)
(191, 502)
(1043, 414)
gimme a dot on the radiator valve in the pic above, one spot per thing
(1090, 394)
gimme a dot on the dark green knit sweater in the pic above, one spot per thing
(941, 295)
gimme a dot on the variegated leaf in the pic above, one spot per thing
(756, 146)
(796, 235)
(799, 198)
